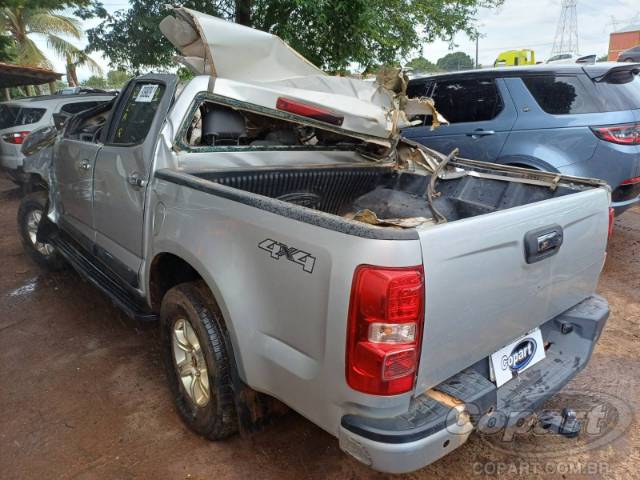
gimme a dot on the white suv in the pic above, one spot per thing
(20, 117)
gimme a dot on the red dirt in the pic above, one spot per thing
(84, 396)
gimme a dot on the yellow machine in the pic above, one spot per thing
(512, 58)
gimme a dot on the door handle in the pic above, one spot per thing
(135, 180)
(85, 164)
(480, 133)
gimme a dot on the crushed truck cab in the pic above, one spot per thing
(293, 246)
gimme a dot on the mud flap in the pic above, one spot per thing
(255, 410)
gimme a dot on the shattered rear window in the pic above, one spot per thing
(14, 116)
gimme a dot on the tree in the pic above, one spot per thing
(131, 38)
(117, 78)
(95, 81)
(76, 58)
(455, 61)
(7, 49)
(23, 23)
(421, 64)
(333, 34)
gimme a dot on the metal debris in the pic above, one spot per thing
(367, 216)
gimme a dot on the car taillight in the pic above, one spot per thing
(309, 111)
(384, 330)
(15, 137)
(611, 220)
(631, 181)
(627, 134)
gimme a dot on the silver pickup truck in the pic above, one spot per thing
(294, 247)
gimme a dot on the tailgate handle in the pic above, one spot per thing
(542, 243)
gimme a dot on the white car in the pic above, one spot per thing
(572, 58)
(20, 117)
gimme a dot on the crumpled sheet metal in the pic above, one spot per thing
(368, 216)
(229, 50)
(39, 160)
(257, 67)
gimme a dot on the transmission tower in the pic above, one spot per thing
(566, 39)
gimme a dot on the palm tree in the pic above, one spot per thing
(23, 23)
(78, 58)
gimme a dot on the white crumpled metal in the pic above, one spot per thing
(257, 67)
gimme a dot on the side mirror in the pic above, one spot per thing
(59, 120)
(38, 140)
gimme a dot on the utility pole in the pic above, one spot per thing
(477, 42)
(566, 39)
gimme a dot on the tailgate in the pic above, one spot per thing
(481, 293)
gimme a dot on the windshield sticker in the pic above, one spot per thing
(147, 92)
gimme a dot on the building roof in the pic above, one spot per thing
(629, 28)
(19, 75)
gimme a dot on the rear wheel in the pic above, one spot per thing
(33, 208)
(197, 362)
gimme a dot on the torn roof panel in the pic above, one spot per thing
(216, 43)
(268, 68)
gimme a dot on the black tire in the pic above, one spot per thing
(192, 301)
(48, 257)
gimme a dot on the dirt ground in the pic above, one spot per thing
(83, 393)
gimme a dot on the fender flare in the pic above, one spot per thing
(176, 250)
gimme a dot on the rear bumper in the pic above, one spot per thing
(624, 197)
(430, 430)
(11, 157)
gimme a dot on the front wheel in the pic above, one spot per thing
(33, 208)
(197, 362)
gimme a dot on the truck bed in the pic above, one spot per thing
(345, 190)
(481, 293)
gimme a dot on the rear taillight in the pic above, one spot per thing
(384, 329)
(627, 134)
(611, 219)
(631, 181)
(309, 111)
(15, 137)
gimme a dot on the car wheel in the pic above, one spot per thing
(33, 208)
(197, 362)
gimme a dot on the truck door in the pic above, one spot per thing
(122, 169)
(74, 165)
(480, 113)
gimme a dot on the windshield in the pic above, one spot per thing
(14, 116)
(620, 91)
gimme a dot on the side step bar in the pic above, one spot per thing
(123, 298)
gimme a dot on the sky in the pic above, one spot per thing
(517, 24)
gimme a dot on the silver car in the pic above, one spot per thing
(20, 117)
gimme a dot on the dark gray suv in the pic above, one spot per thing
(630, 55)
(581, 120)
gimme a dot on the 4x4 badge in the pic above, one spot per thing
(279, 250)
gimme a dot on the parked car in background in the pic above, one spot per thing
(581, 120)
(20, 117)
(630, 55)
(571, 58)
